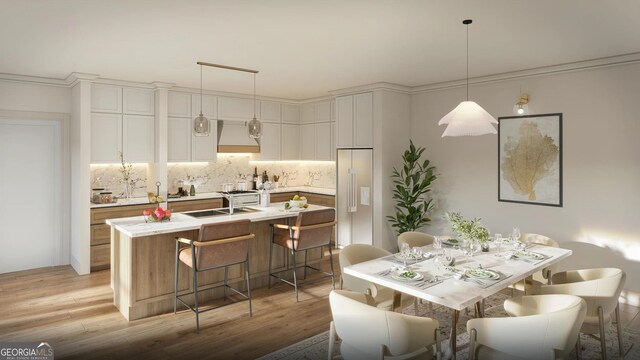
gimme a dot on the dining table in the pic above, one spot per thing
(470, 280)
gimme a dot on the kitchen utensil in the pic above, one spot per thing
(227, 187)
(241, 186)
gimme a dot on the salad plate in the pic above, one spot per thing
(451, 242)
(407, 275)
(412, 256)
(482, 274)
(527, 255)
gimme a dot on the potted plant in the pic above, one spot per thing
(470, 230)
(411, 183)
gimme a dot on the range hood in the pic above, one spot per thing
(233, 138)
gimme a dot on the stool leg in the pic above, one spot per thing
(249, 286)
(619, 326)
(175, 287)
(333, 280)
(295, 279)
(226, 268)
(270, 261)
(603, 343)
(305, 264)
(578, 348)
(195, 288)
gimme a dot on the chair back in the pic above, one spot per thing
(530, 238)
(216, 250)
(364, 329)
(543, 327)
(315, 237)
(355, 254)
(415, 238)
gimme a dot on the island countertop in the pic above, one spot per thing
(135, 226)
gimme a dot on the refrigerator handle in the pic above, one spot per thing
(353, 195)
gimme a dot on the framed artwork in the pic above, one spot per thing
(530, 159)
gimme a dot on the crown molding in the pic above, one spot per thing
(371, 87)
(33, 79)
(76, 77)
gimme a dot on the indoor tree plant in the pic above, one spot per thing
(411, 183)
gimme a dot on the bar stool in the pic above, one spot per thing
(218, 245)
(312, 229)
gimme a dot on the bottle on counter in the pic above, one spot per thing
(254, 183)
(192, 190)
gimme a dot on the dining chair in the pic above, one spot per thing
(415, 238)
(218, 245)
(312, 229)
(540, 327)
(543, 276)
(368, 332)
(600, 288)
(382, 296)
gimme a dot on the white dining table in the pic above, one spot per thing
(456, 294)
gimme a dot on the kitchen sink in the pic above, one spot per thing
(218, 212)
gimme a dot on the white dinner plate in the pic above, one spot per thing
(482, 274)
(528, 255)
(397, 275)
(411, 257)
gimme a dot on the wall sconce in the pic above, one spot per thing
(521, 107)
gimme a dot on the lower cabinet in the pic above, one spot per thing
(283, 196)
(191, 205)
(315, 199)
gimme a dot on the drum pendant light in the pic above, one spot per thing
(201, 123)
(255, 127)
(468, 118)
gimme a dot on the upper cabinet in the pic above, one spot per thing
(106, 98)
(270, 142)
(290, 142)
(138, 101)
(184, 146)
(270, 111)
(308, 113)
(138, 136)
(106, 138)
(237, 109)
(354, 121)
(290, 114)
(179, 104)
(209, 106)
(323, 111)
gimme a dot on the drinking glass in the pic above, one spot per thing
(437, 243)
(405, 251)
(498, 241)
(417, 253)
(516, 233)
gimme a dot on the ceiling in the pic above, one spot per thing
(306, 48)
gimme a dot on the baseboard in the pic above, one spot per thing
(630, 298)
(75, 264)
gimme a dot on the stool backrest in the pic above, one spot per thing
(215, 250)
(317, 236)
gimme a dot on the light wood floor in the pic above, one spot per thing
(75, 314)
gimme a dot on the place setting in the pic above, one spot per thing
(411, 277)
(409, 255)
(477, 275)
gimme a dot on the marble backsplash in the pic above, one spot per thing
(209, 177)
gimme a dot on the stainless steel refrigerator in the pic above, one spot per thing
(353, 201)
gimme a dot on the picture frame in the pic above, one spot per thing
(530, 159)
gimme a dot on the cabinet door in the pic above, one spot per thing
(290, 147)
(138, 134)
(307, 142)
(333, 141)
(209, 106)
(270, 142)
(237, 109)
(205, 148)
(344, 121)
(323, 141)
(106, 98)
(323, 111)
(106, 138)
(179, 139)
(290, 114)
(138, 101)
(363, 120)
(307, 113)
(270, 111)
(179, 104)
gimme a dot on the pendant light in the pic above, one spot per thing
(255, 127)
(201, 123)
(521, 107)
(468, 118)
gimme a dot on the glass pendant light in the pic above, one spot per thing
(201, 123)
(255, 127)
(468, 118)
(521, 107)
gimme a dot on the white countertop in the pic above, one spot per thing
(135, 226)
(216, 195)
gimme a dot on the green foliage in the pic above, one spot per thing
(470, 229)
(411, 183)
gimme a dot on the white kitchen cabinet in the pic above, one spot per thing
(138, 101)
(323, 141)
(270, 141)
(333, 141)
(237, 109)
(270, 111)
(179, 138)
(354, 121)
(290, 114)
(106, 98)
(307, 142)
(209, 106)
(106, 138)
(307, 113)
(179, 104)
(138, 145)
(205, 148)
(290, 142)
(323, 111)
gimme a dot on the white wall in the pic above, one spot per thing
(34, 97)
(601, 154)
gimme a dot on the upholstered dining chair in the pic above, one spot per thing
(543, 276)
(218, 245)
(600, 288)
(382, 296)
(312, 229)
(371, 333)
(415, 238)
(541, 327)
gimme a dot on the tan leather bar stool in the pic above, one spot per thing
(312, 229)
(218, 245)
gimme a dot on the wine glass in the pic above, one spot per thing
(516, 233)
(417, 253)
(437, 242)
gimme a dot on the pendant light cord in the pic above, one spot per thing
(201, 89)
(467, 25)
(254, 95)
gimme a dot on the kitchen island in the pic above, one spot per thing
(143, 258)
